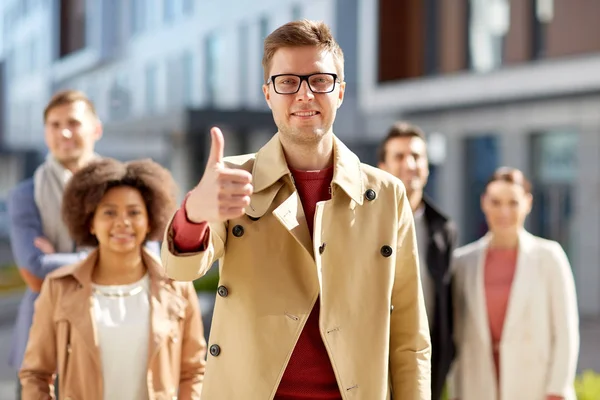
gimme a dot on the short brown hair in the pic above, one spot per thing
(302, 33)
(68, 97)
(88, 186)
(510, 175)
(401, 129)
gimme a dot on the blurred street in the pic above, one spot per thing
(8, 310)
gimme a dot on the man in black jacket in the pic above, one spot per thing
(403, 153)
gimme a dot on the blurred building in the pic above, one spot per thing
(497, 82)
(493, 82)
(161, 73)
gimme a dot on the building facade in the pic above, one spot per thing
(497, 82)
(160, 72)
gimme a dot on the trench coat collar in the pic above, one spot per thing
(270, 166)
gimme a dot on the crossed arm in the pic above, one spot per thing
(33, 254)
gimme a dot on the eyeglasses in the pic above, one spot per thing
(290, 83)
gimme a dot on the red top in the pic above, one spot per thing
(500, 267)
(309, 374)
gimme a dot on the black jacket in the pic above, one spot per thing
(442, 241)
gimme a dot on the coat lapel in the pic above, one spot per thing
(521, 285)
(270, 166)
(479, 305)
(77, 305)
(291, 215)
(166, 307)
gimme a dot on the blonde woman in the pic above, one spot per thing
(516, 308)
(114, 326)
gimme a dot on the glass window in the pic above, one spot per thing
(137, 14)
(151, 76)
(554, 165)
(188, 77)
(73, 26)
(169, 10)
(33, 55)
(188, 7)
(296, 12)
(119, 98)
(482, 157)
(243, 60)
(264, 32)
(213, 60)
(488, 25)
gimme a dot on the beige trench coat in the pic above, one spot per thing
(362, 262)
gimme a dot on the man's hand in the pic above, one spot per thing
(44, 245)
(223, 193)
(33, 282)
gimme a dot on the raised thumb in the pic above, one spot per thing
(216, 147)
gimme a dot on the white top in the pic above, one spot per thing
(122, 317)
(426, 280)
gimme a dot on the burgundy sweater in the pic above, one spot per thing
(309, 374)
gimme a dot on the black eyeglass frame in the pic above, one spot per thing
(302, 79)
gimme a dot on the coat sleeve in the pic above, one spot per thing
(190, 266)
(193, 349)
(39, 364)
(25, 225)
(565, 324)
(410, 344)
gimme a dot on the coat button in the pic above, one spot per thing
(386, 251)
(322, 248)
(238, 230)
(370, 194)
(222, 291)
(215, 350)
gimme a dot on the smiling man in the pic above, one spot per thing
(403, 153)
(40, 241)
(319, 294)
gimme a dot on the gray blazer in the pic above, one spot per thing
(25, 225)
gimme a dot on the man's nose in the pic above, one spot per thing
(66, 133)
(410, 163)
(304, 93)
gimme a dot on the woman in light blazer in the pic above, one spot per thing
(517, 325)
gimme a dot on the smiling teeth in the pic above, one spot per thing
(306, 114)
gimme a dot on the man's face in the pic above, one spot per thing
(406, 158)
(303, 117)
(71, 131)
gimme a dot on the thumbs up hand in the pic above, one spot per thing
(222, 193)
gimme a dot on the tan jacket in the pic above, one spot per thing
(362, 262)
(63, 338)
(540, 338)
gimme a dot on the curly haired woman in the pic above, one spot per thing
(113, 326)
